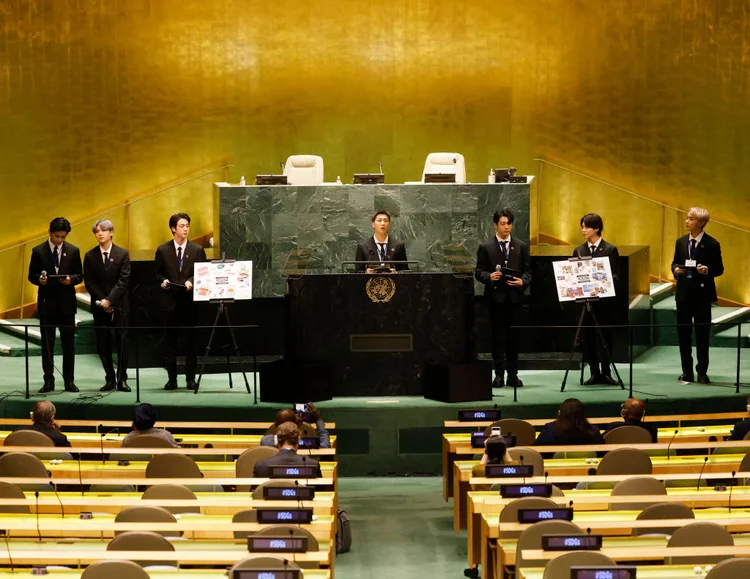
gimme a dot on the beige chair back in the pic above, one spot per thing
(11, 491)
(625, 461)
(147, 514)
(258, 492)
(731, 569)
(628, 435)
(524, 455)
(249, 516)
(446, 163)
(243, 468)
(522, 430)
(264, 562)
(292, 531)
(745, 464)
(169, 492)
(114, 569)
(21, 464)
(27, 438)
(531, 538)
(172, 466)
(559, 568)
(510, 513)
(146, 441)
(142, 541)
(637, 485)
(304, 170)
(662, 511)
(699, 534)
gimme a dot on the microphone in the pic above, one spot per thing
(38, 531)
(101, 439)
(671, 441)
(44, 273)
(7, 548)
(80, 476)
(705, 462)
(498, 268)
(281, 163)
(59, 500)
(455, 160)
(729, 504)
(546, 474)
(381, 166)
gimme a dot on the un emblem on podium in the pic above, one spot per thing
(380, 289)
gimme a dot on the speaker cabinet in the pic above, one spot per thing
(458, 382)
(285, 381)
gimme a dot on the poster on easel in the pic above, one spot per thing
(584, 279)
(223, 280)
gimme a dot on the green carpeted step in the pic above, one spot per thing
(728, 338)
(660, 292)
(11, 346)
(84, 301)
(665, 312)
(15, 327)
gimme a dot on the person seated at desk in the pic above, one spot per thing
(144, 418)
(570, 427)
(495, 451)
(633, 411)
(43, 420)
(742, 427)
(288, 444)
(380, 247)
(312, 416)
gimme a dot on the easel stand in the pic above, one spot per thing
(587, 309)
(223, 310)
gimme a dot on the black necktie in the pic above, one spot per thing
(503, 246)
(592, 250)
(106, 260)
(56, 258)
(381, 251)
(179, 258)
(692, 249)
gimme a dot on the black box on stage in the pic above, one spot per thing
(458, 382)
(287, 381)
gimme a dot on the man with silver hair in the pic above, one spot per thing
(697, 261)
(106, 272)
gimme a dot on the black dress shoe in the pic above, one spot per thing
(471, 572)
(703, 379)
(686, 378)
(171, 385)
(191, 385)
(109, 385)
(48, 387)
(607, 379)
(593, 379)
(498, 382)
(514, 382)
(123, 386)
(70, 387)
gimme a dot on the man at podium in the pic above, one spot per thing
(380, 248)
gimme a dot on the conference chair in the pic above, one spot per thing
(560, 568)
(264, 562)
(699, 534)
(11, 491)
(446, 164)
(625, 461)
(141, 441)
(522, 430)
(178, 466)
(23, 465)
(245, 463)
(525, 455)
(662, 511)
(34, 438)
(143, 541)
(172, 492)
(258, 492)
(628, 435)
(147, 514)
(304, 170)
(731, 569)
(531, 538)
(637, 485)
(510, 513)
(292, 531)
(248, 516)
(114, 569)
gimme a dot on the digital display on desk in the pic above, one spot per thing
(527, 516)
(473, 415)
(478, 438)
(571, 542)
(516, 491)
(309, 442)
(508, 470)
(295, 493)
(278, 544)
(278, 471)
(297, 516)
(266, 574)
(616, 572)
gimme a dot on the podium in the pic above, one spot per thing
(378, 333)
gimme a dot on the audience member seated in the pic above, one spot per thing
(312, 416)
(288, 443)
(742, 427)
(495, 451)
(633, 412)
(570, 427)
(43, 420)
(144, 418)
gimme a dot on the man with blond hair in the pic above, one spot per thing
(287, 441)
(697, 261)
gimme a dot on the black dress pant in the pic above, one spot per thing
(596, 349)
(49, 322)
(180, 327)
(107, 324)
(693, 311)
(504, 339)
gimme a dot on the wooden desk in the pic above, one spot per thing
(99, 425)
(181, 574)
(642, 571)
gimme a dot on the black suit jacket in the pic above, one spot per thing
(701, 287)
(283, 458)
(740, 430)
(58, 438)
(56, 298)
(168, 268)
(109, 283)
(651, 428)
(368, 251)
(490, 255)
(604, 249)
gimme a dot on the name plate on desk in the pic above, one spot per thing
(309, 442)
(518, 179)
(617, 572)
(267, 574)
(571, 542)
(368, 178)
(270, 180)
(516, 491)
(478, 439)
(528, 516)
(296, 493)
(278, 544)
(280, 471)
(298, 516)
(472, 415)
(439, 177)
(508, 470)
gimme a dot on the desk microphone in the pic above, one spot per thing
(381, 166)
(671, 441)
(38, 532)
(80, 476)
(281, 163)
(546, 474)
(7, 548)
(705, 462)
(59, 500)
(101, 439)
(729, 504)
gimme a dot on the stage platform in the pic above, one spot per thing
(383, 435)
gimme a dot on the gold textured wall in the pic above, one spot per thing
(104, 100)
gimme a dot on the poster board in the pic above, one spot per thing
(223, 280)
(582, 279)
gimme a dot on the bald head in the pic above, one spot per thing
(634, 409)
(43, 413)
(285, 415)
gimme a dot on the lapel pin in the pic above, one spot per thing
(65, 254)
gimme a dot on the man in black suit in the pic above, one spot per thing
(504, 292)
(106, 272)
(741, 429)
(43, 420)
(175, 265)
(56, 268)
(380, 247)
(697, 261)
(287, 438)
(633, 412)
(596, 351)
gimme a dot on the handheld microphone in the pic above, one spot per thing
(44, 273)
(729, 504)
(705, 462)
(38, 531)
(7, 548)
(671, 441)
(498, 268)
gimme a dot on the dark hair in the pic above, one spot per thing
(144, 417)
(375, 215)
(59, 224)
(495, 449)
(503, 213)
(594, 221)
(571, 419)
(175, 218)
